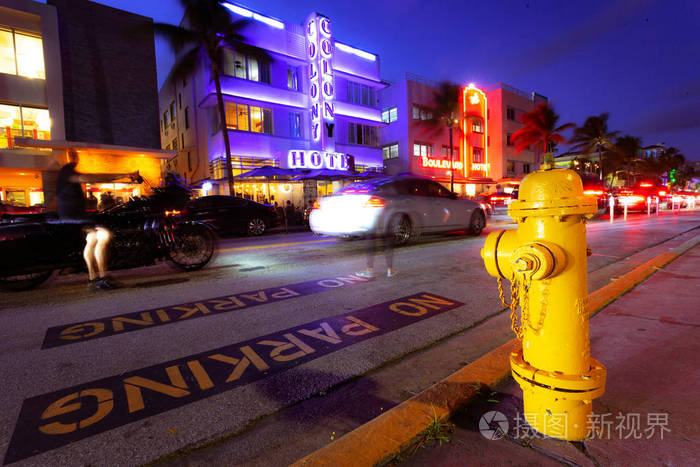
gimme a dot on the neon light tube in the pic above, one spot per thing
(354, 51)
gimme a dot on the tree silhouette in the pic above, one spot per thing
(206, 34)
(445, 114)
(539, 129)
(595, 136)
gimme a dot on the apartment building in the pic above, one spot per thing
(310, 105)
(75, 75)
(506, 105)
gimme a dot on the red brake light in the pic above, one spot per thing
(662, 193)
(174, 212)
(645, 185)
(593, 192)
(375, 202)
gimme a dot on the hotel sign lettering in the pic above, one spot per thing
(317, 160)
(441, 163)
(319, 52)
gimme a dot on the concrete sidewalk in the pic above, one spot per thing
(649, 340)
(646, 334)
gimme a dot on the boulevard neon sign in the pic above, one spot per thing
(317, 160)
(321, 86)
(441, 164)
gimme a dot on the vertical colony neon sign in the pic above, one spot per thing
(474, 105)
(319, 52)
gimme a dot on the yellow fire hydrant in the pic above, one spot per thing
(545, 261)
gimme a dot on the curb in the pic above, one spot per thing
(378, 440)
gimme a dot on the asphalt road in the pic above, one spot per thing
(176, 360)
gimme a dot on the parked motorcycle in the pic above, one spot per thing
(33, 246)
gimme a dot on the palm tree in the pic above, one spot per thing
(592, 136)
(540, 129)
(625, 157)
(206, 34)
(445, 113)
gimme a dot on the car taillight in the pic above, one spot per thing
(632, 199)
(662, 193)
(316, 205)
(375, 202)
(499, 198)
(174, 212)
(593, 192)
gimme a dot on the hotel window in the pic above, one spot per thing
(390, 152)
(295, 125)
(187, 118)
(248, 118)
(510, 167)
(22, 121)
(21, 54)
(292, 78)
(246, 67)
(390, 115)
(182, 140)
(477, 125)
(360, 94)
(478, 156)
(422, 149)
(362, 134)
(174, 144)
(420, 113)
(509, 141)
(510, 113)
(446, 151)
(526, 168)
(173, 114)
(166, 119)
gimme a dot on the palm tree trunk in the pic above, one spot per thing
(452, 163)
(600, 161)
(224, 127)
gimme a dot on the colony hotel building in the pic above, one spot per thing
(483, 155)
(309, 107)
(75, 75)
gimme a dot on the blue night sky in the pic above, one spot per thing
(639, 60)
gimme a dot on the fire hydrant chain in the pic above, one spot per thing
(513, 305)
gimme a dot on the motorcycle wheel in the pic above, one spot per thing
(24, 281)
(192, 247)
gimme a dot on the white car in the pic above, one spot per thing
(402, 206)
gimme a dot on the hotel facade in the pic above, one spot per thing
(74, 75)
(483, 156)
(311, 105)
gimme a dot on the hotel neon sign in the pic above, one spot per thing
(440, 163)
(474, 104)
(321, 84)
(316, 160)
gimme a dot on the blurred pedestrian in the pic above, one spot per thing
(71, 207)
(380, 242)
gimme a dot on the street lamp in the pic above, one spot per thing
(453, 121)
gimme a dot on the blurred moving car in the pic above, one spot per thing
(231, 214)
(501, 198)
(636, 197)
(594, 187)
(400, 206)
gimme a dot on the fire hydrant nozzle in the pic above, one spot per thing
(546, 259)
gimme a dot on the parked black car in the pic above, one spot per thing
(231, 214)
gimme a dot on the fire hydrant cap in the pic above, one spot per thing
(552, 192)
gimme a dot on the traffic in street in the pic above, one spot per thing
(175, 360)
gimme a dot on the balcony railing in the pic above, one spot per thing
(8, 135)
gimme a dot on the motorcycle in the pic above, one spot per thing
(33, 246)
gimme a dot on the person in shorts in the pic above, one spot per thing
(71, 206)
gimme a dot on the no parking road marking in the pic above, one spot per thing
(56, 419)
(120, 324)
